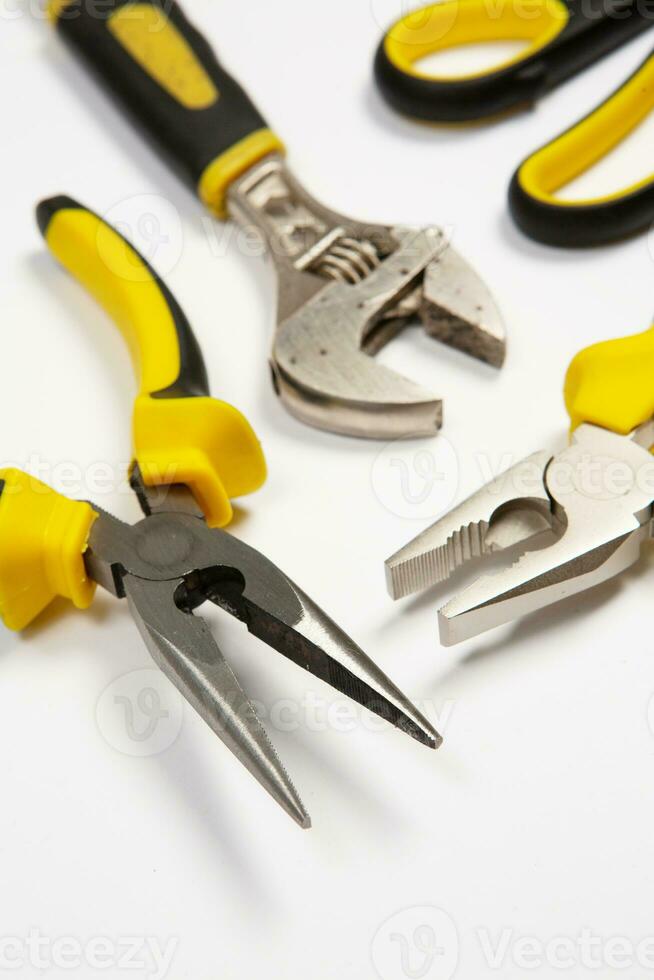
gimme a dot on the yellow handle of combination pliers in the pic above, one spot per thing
(43, 539)
(611, 384)
(181, 435)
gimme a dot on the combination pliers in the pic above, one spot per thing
(192, 454)
(584, 512)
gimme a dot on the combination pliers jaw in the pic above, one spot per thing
(192, 454)
(579, 517)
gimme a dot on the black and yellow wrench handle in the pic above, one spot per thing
(181, 435)
(165, 75)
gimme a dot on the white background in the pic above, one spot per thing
(535, 818)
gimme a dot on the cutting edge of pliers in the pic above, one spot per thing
(568, 520)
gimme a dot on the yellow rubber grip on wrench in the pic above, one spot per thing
(611, 384)
(43, 537)
(180, 434)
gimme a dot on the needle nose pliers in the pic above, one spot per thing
(192, 454)
(595, 500)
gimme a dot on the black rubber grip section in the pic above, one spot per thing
(50, 206)
(595, 28)
(192, 381)
(581, 226)
(189, 139)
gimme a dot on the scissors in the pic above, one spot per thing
(562, 37)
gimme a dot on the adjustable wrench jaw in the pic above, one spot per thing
(320, 362)
(345, 289)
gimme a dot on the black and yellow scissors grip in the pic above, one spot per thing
(167, 78)
(181, 435)
(548, 218)
(561, 38)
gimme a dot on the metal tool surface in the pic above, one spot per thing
(579, 516)
(345, 287)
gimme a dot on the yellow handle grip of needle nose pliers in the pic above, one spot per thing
(610, 384)
(44, 537)
(181, 435)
